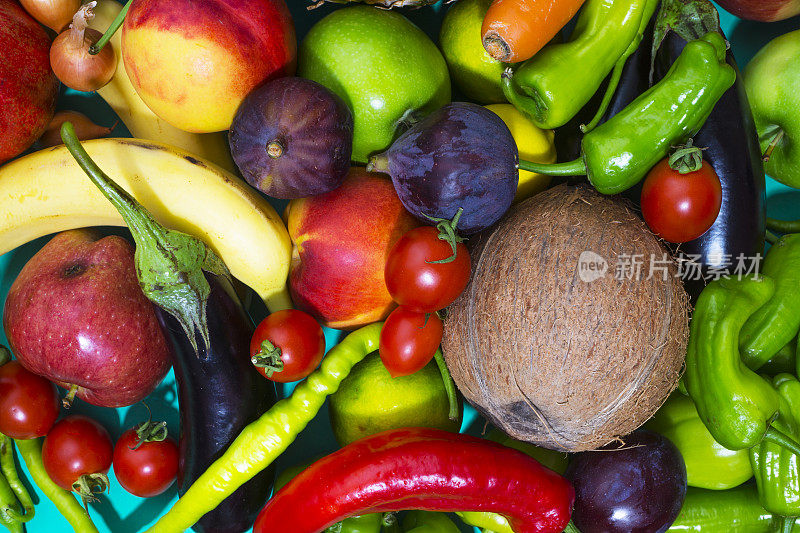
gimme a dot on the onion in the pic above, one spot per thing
(70, 57)
(55, 14)
(85, 129)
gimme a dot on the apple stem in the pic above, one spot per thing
(109, 33)
(5, 355)
(268, 358)
(70, 397)
(776, 139)
(449, 386)
(169, 264)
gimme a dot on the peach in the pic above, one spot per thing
(194, 61)
(341, 240)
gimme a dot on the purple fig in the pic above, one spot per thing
(460, 156)
(292, 138)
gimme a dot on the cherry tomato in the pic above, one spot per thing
(301, 342)
(409, 340)
(418, 284)
(29, 403)
(681, 207)
(148, 470)
(76, 446)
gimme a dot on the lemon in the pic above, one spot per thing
(370, 400)
(475, 72)
(534, 144)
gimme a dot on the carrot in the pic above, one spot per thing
(514, 30)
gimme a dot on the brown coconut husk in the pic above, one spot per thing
(555, 360)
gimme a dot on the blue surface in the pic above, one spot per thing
(120, 512)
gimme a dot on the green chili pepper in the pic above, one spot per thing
(261, 442)
(736, 405)
(776, 468)
(10, 509)
(9, 472)
(552, 86)
(724, 511)
(620, 152)
(709, 465)
(368, 523)
(486, 521)
(428, 522)
(778, 321)
(65, 502)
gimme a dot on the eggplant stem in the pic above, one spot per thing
(449, 386)
(109, 33)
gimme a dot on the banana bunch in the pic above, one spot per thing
(47, 192)
(137, 117)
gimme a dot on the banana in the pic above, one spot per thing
(120, 94)
(47, 192)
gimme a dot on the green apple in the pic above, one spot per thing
(772, 80)
(385, 68)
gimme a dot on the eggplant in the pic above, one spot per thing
(219, 393)
(730, 144)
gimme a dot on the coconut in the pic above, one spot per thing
(573, 329)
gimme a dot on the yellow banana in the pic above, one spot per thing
(134, 113)
(47, 192)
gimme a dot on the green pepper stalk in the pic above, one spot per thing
(776, 469)
(9, 473)
(552, 86)
(261, 442)
(778, 321)
(736, 405)
(619, 153)
(169, 264)
(65, 502)
(783, 226)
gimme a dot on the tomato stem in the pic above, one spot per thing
(89, 485)
(5, 355)
(686, 158)
(447, 233)
(70, 397)
(112, 29)
(449, 386)
(268, 358)
(150, 431)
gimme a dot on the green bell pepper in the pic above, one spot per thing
(709, 465)
(552, 86)
(725, 511)
(619, 153)
(778, 321)
(776, 468)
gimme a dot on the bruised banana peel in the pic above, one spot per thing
(46, 192)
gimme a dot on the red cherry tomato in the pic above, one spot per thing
(148, 470)
(681, 207)
(301, 342)
(418, 284)
(29, 403)
(409, 340)
(74, 447)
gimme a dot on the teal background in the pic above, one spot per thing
(120, 512)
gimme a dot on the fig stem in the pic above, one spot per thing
(169, 264)
(268, 358)
(449, 386)
(570, 168)
(686, 158)
(109, 33)
(5, 355)
(776, 139)
(70, 397)
(378, 163)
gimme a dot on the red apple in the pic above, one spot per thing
(76, 315)
(341, 240)
(762, 10)
(194, 61)
(28, 87)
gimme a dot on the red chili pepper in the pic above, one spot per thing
(421, 468)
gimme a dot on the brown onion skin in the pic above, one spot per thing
(313, 128)
(29, 88)
(85, 129)
(75, 67)
(55, 14)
